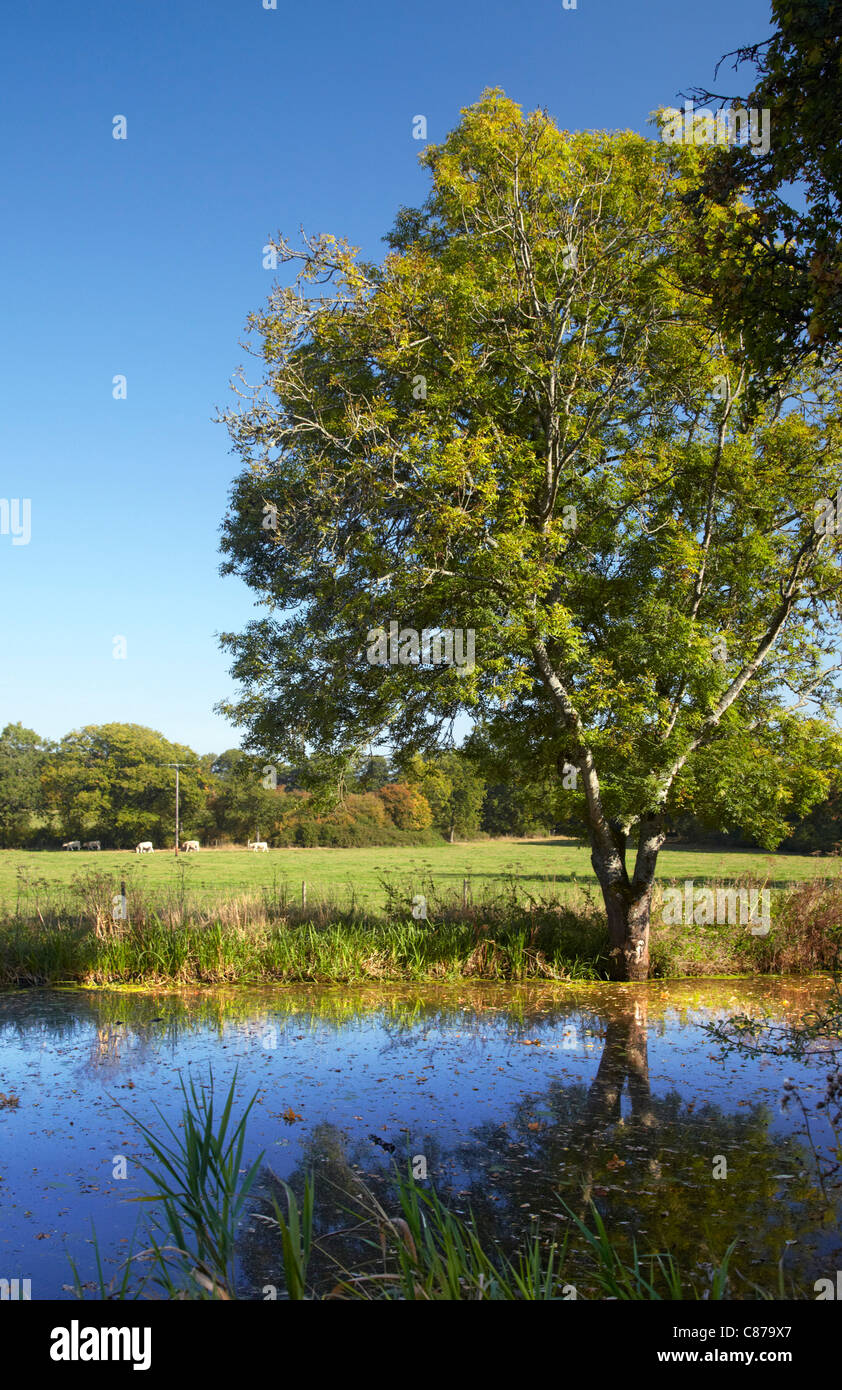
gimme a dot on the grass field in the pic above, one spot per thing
(555, 869)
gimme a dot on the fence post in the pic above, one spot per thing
(303, 895)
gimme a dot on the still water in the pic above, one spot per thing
(521, 1103)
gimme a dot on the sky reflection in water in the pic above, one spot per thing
(520, 1099)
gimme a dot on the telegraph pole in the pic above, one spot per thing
(177, 766)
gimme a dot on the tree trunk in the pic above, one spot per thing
(628, 900)
(628, 931)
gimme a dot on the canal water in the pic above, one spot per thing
(520, 1106)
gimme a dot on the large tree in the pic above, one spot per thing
(243, 803)
(112, 782)
(454, 789)
(521, 425)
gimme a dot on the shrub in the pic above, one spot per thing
(407, 808)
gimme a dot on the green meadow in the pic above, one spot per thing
(554, 869)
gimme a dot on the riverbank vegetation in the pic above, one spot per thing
(509, 935)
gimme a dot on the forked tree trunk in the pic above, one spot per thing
(627, 911)
(628, 900)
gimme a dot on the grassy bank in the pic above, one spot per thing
(260, 938)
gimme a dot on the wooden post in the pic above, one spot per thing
(303, 896)
(464, 893)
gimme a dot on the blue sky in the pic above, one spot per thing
(143, 256)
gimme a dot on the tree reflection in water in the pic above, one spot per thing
(647, 1164)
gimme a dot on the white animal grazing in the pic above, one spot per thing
(92, 844)
(145, 847)
(190, 845)
(258, 844)
(72, 844)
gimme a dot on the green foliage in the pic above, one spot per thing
(821, 828)
(241, 807)
(454, 790)
(23, 756)
(759, 786)
(654, 1276)
(372, 774)
(110, 782)
(201, 1186)
(296, 1230)
(520, 799)
(432, 1255)
(780, 279)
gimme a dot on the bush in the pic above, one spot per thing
(408, 809)
(361, 820)
(306, 833)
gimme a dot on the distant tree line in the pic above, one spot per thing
(114, 783)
